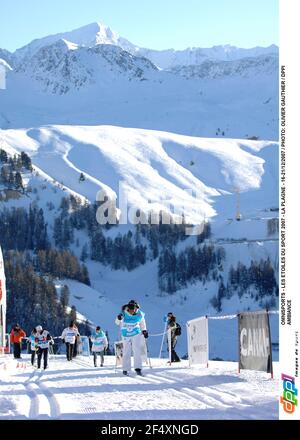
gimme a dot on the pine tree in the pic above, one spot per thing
(85, 278)
(73, 314)
(3, 156)
(11, 179)
(57, 232)
(19, 181)
(84, 253)
(26, 161)
(4, 175)
(65, 296)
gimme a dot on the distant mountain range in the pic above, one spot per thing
(93, 76)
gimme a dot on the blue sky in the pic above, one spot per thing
(157, 24)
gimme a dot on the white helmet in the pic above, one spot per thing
(39, 328)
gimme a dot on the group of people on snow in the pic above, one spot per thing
(39, 341)
(133, 329)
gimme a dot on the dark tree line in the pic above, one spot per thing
(26, 230)
(31, 297)
(126, 251)
(259, 275)
(23, 230)
(258, 280)
(61, 264)
(177, 270)
(119, 253)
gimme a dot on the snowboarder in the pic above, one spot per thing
(32, 340)
(133, 329)
(174, 327)
(100, 344)
(69, 336)
(43, 339)
(16, 336)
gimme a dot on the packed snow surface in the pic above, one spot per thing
(78, 390)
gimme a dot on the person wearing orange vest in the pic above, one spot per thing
(16, 336)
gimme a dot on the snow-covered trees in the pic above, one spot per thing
(11, 169)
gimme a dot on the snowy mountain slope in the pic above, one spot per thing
(232, 107)
(154, 166)
(168, 59)
(77, 390)
(62, 67)
(245, 67)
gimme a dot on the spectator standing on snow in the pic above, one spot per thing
(69, 336)
(75, 351)
(99, 346)
(175, 330)
(16, 336)
(32, 340)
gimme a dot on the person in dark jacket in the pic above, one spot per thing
(171, 325)
(16, 336)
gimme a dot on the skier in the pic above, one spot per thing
(100, 344)
(174, 327)
(16, 336)
(133, 328)
(43, 339)
(69, 336)
(32, 340)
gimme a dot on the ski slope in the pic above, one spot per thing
(78, 390)
(154, 166)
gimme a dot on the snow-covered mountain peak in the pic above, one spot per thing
(104, 35)
(86, 36)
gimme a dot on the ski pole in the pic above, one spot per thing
(148, 354)
(170, 345)
(163, 338)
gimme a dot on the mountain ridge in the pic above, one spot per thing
(96, 33)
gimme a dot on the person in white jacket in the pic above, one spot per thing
(69, 336)
(133, 329)
(43, 339)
